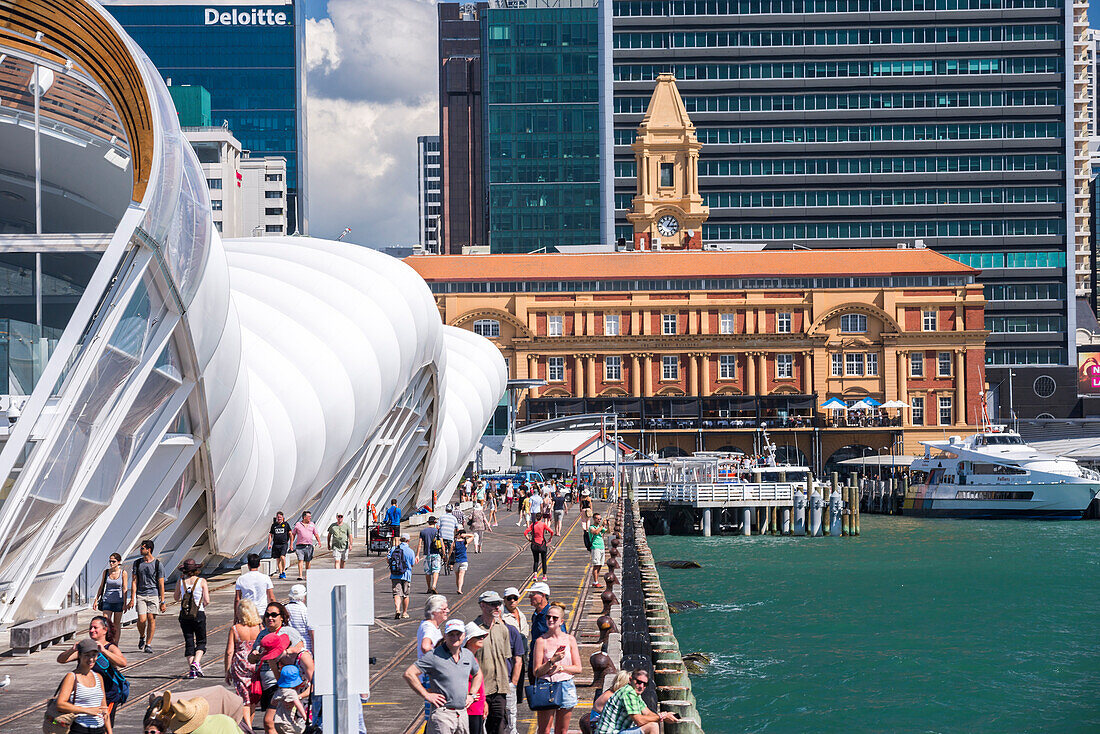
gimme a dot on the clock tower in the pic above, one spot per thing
(668, 212)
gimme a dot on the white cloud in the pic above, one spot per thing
(372, 89)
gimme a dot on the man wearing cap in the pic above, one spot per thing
(299, 614)
(401, 580)
(501, 661)
(540, 601)
(339, 541)
(449, 667)
(513, 617)
(448, 524)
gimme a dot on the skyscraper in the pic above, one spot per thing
(427, 192)
(250, 59)
(855, 123)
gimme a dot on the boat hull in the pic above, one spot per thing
(1061, 501)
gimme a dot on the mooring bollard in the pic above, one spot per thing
(706, 523)
(846, 511)
(799, 512)
(815, 513)
(836, 512)
(785, 525)
(746, 521)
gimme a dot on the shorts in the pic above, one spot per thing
(110, 606)
(278, 551)
(401, 587)
(149, 605)
(559, 514)
(340, 555)
(396, 529)
(632, 730)
(433, 563)
(304, 552)
(568, 695)
(462, 566)
(597, 556)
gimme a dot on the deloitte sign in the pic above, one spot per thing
(254, 16)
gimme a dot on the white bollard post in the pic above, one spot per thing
(706, 523)
(785, 523)
(746, 521)
(799, 512)
(836, 513)
(816, 504)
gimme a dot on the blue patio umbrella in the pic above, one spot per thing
(872, 402)
(835, 404)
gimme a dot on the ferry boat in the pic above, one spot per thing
(994, 474)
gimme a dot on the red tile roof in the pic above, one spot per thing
(707, 264)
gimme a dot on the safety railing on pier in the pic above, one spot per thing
(720, 494)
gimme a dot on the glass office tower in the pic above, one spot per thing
(869, 123)
(541, 98)
(249, 57)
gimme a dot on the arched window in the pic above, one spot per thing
(853, 323)
(487, 327)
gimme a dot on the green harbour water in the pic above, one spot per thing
(917, 625)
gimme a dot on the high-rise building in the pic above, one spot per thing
(460, 127)
(250, 59)
(247, 194)
(869, 123)
(428, 204)
(542, 107)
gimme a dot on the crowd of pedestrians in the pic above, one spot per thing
(472, 675)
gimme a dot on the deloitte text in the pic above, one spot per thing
(255, 16)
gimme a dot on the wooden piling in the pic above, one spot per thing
(855, 504)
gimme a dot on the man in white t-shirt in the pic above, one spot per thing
(254, 585)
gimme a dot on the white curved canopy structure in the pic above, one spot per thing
(200, 385)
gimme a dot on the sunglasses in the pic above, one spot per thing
(638, 682)
(272, 614)
(111, 560)
(553, 616)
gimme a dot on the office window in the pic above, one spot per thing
(853, 323)
(945, 412)
(725, 323)
(784, 366)
(667, 170)
(670, 367)
(273, 194)
(872, 364)
(727, 367)
(668, 323)
(554, 325)
(214, 184)
(918, 411)
(487, 327)
(916, 364)
(837, 361)
(555, 369)
(783, 323)
(611, 324)
(273, 228)
(943, 364)
(928, 321)
(273, 211)
(273, 177)
(216, 205)
(853, 364)
(612, 368)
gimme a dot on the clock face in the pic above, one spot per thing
(667, 225)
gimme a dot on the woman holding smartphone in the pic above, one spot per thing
(557, 659)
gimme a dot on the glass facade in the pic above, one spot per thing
(247, 57)
(819, 118)
(541, 92)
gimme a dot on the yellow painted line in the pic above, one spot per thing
(381, 703)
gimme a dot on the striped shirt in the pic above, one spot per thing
(90, 696)
(447, 526)
(299, 620)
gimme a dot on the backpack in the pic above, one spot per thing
(116, 689)
(189, 607)
(587, 540)
(436, 545)
(398, 563)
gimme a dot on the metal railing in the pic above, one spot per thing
(718, 493)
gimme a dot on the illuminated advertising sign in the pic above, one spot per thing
(1088, 373)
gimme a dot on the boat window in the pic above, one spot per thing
(1001, 440)
(997, 470)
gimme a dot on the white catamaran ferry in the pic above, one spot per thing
(994, 474)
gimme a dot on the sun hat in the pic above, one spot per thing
(585, 492)
(490, 597)
(297, 592)
(188, 715)
(454, 625)
(475, 630)
(274, 646)
(190, 565)
(511, 591)
(290, 676)
(540, 588)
